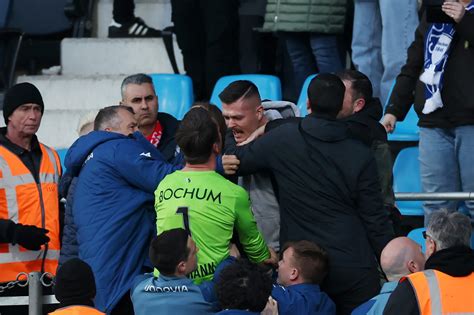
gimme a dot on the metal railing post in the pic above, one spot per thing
(35, 293)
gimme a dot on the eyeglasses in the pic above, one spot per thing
(426, 235)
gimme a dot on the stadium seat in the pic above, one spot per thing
(304, 96)
(406, 130)
(406, 178)
(269, 86)
(62, 156)
(175, 93)
(417, 236)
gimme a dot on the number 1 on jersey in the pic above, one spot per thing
(185, 212)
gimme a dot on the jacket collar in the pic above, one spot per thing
(324, 128)
(455, 261)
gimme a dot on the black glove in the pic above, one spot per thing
(29, 236)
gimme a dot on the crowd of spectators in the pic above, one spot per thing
(251, 210)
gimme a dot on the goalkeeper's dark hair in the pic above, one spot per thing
(196, 135)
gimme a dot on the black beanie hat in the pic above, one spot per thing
(75, 284)
(20, 94)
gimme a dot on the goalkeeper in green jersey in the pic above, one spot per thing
(206, 204)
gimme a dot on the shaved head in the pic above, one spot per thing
(401, 257)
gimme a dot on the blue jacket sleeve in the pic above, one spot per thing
(141, 164)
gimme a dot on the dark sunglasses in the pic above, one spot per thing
(425, 235)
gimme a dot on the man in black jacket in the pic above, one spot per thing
(329, 192)
(363, 112)
(448, 280)
(446, 131)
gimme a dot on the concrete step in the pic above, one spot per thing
(103, 56)
(69, 92)
(155, 13)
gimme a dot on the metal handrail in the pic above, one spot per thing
(405, 196)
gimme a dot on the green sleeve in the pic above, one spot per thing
(249, 235)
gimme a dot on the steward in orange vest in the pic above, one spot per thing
(75, 289)
(447, 284)
(29, 177)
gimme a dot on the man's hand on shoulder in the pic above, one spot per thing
(230, 164)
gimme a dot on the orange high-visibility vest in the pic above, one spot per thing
(438, 293)
(24, 201)
(77, 310)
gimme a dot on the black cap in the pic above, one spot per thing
(20, 94)
(75, 284)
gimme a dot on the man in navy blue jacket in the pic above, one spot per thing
(300, 272)
(119, 171)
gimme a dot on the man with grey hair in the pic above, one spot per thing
(159, 129)
(118, 171)
(400, 257)
(447, 284)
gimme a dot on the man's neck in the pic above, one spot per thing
(147, 130)
(210, 165)
(263, 121)
(23, 142)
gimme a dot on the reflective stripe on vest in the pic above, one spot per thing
(439, 294)
(25, 201)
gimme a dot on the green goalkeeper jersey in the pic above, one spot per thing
(209, 207)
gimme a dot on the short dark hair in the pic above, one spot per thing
(138, 79)
(168, 249)
(243, 286)
(238, 89)
(196, 135)
(326, 94)
(216, 115)
(311, 260)
(360, 84)
(108, 116)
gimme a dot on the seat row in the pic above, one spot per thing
(176, 96)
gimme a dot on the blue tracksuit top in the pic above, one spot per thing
(303, 299)
(113, 207)
(171, 295)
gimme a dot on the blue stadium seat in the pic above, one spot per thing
(406, 178)
(269, 86)
(62, 156)
(417, 236)
(406, 130)
(175, 93)
(304, 96)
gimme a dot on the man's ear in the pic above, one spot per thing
(413, 267)
(359, 105)
(294, 274)
(308, 106)
(181, 268)
(260, 112)
(216, 148)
